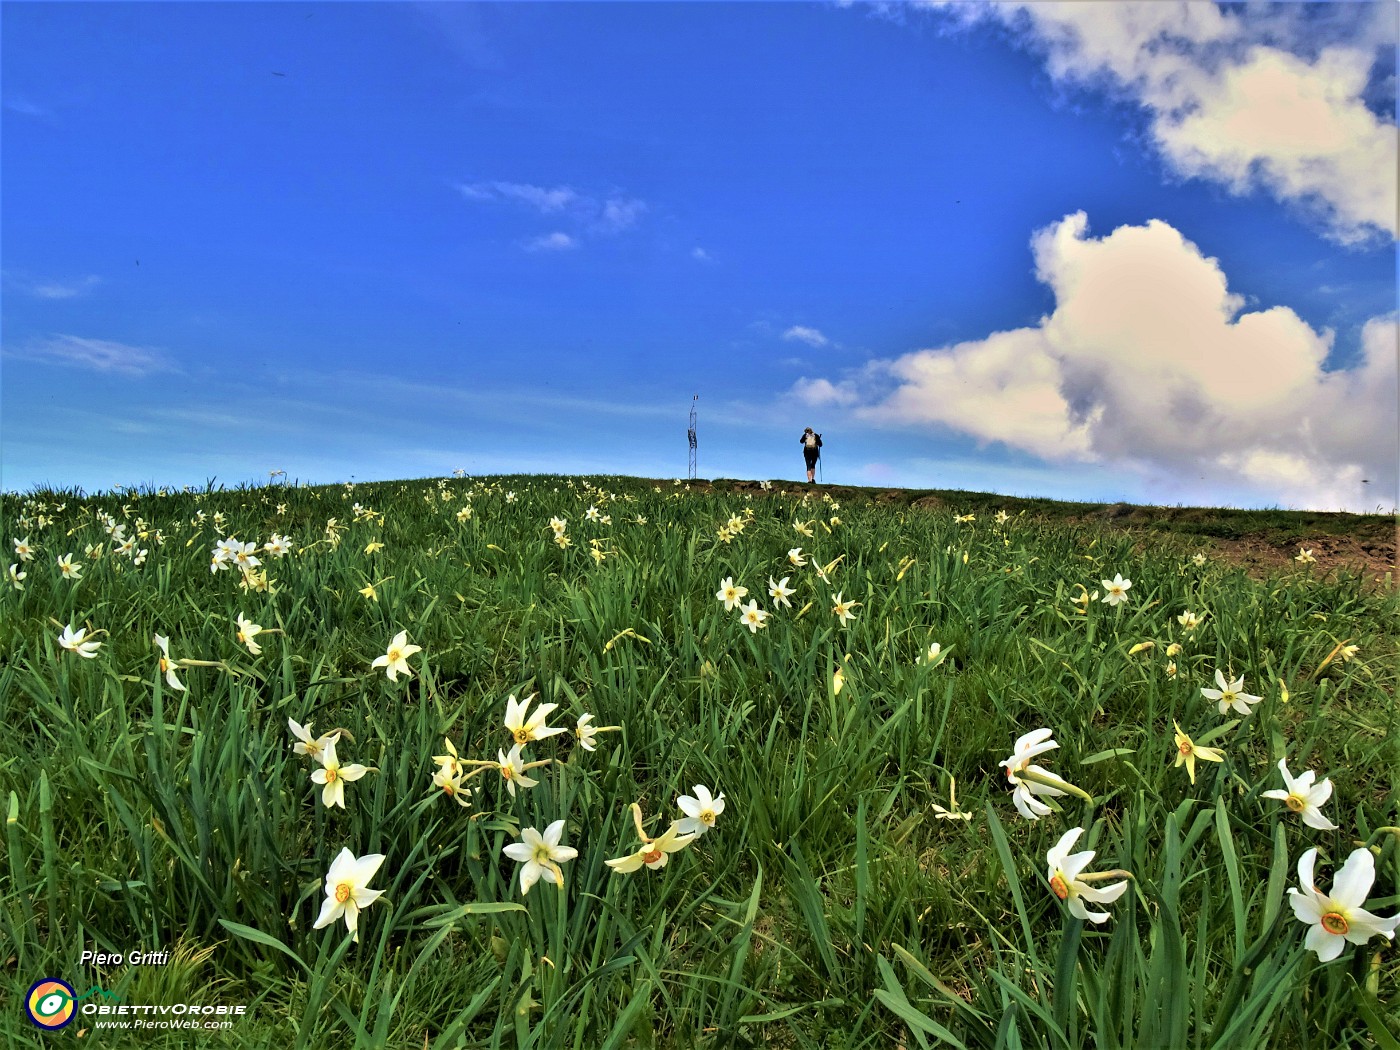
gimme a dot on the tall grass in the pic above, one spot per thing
(831, 905)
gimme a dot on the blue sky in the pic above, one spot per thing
(1144, 255)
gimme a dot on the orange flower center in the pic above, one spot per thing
(1058, 885)
(1185, 747)
(342, 892)
(331, 774)
(652, 857)
(507, 772)
(1335, 922)
(1294, 803)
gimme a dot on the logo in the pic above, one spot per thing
(50, 1003)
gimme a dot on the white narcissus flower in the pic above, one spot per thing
(1304, 797)
(167, 665)
(334, 775)
(586, 733)
(729, 593)
(311, 747)
(795, 558)
(701, 810)
(541, 855)
(1230, 694)
(1337, 917)
(16, 577)
(347, 890)
(1029, 746)
(523, 730)
(1189, 621)
(76, 642)
(68, 569)
(842, 609)
(1116, 589)
(247, 631)
(1068, 878)
(511, 766)
(752, 616)
(934, 656)
(395, 659)
(449, 781)
(780, 592)
(24, 550)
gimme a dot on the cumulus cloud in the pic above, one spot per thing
(1149, 363)
(551, 242)
(1253, 100)
(803, 334)
(98, 355)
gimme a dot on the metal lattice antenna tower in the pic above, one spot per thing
(691, 435)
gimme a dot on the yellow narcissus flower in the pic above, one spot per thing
(347, 890)
(395, 660)
(652, 853)
(373, 547)
(1187, 751)
(1305, 556)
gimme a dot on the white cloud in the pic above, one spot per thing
(48, 289)
(551, 242)
(1251, 100)
(547, 201)
(611, 214)
(701, 255)
(819, 393)
(98, 355)
(803, 334)
(1149, 364)
(619, 213)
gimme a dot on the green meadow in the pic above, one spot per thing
(870, 879)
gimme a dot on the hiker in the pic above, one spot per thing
(811, 452)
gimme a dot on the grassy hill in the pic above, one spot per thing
(893, 862)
